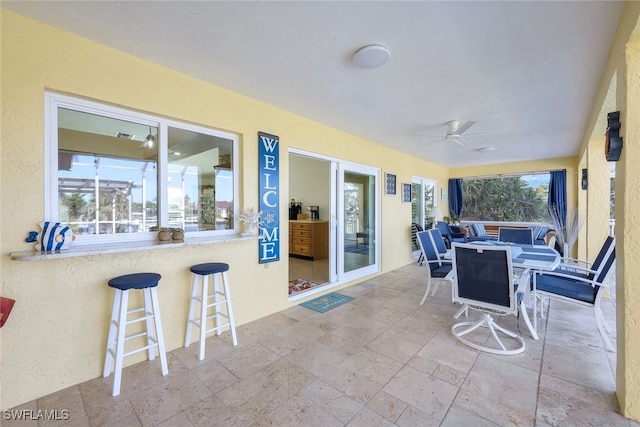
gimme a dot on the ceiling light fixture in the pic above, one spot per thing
(371, 56)
(149, 141)
(485, 149)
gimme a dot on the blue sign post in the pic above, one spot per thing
(269, 180)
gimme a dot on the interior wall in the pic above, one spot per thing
(56, 334)
(310, 183)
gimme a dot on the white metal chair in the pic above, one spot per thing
(483, 280)
(578, 282)
(439, 269)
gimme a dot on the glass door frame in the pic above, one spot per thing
(423, 212)
(337, 275)
(374, 267)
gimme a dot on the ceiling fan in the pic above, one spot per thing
(455, 131)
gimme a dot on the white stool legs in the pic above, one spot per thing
(117, 333)
(200, 294)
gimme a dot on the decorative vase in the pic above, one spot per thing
(164, 235)
(178, 234)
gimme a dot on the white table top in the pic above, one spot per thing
(538, 257)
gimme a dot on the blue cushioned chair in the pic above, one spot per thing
(539, 234)
(522, 236)
(479, 233)
(438, 241)
(439, 269)
(449, 235)
(578, 282)
(483, 280)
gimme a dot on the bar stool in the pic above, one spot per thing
(203, 271)
(147, 282)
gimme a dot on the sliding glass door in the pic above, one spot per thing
(358, 222)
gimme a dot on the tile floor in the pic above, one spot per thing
(380, 360)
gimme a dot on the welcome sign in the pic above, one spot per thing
(268, 172)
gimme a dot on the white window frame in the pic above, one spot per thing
(54, 101)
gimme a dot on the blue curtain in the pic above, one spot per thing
(558, 195)
(456, 197)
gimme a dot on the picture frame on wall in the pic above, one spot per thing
(390, 184)
(406, 192)
(443, 195)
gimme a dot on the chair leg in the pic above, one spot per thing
(111, 340)
(525, 316)
(192, 307)
(426, 293)
(159, 332)
(601, 327)
(203, 314)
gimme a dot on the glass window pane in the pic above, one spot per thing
(107, 174)
(200, 181)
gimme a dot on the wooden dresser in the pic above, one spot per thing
(309, 239)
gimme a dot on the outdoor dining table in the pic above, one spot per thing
(527, 257)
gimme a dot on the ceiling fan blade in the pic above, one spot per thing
(462, 129)
(489, 132)
(430, 143)
(462, 141)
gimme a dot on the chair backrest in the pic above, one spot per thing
(478, 229)
(428, 249)
(415, 227)
(444, 228)
(438, 241)
(523, 236)
(483, 277)
(605, 259)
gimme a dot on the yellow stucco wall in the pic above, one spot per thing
(628, 244)
(56, 334)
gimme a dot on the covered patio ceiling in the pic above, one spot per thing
(528, 70)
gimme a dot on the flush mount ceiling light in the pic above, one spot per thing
(371, 56)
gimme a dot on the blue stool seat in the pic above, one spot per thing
(217, 300)
(135, 281)
(209, 268)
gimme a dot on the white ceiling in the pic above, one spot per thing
(530, 67)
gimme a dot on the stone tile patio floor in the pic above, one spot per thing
(379, 360)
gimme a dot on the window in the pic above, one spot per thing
(423, 192)
(516, 198)
(119, 175)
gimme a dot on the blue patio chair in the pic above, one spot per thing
(578, 282)
(522, 236)
(439, 269)
(483, 280)
(438, 242)
(449, 235)
(539, 234)
(479, 233)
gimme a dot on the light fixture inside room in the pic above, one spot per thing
(149, 141)
(371, 56)
(435, 214)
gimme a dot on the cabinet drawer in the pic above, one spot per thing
(302, 240)
(302, 233)
(299, 226)
(302, 249)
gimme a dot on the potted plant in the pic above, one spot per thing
(567, 234)
(178, 234)
(251, 220)
(164, 234)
